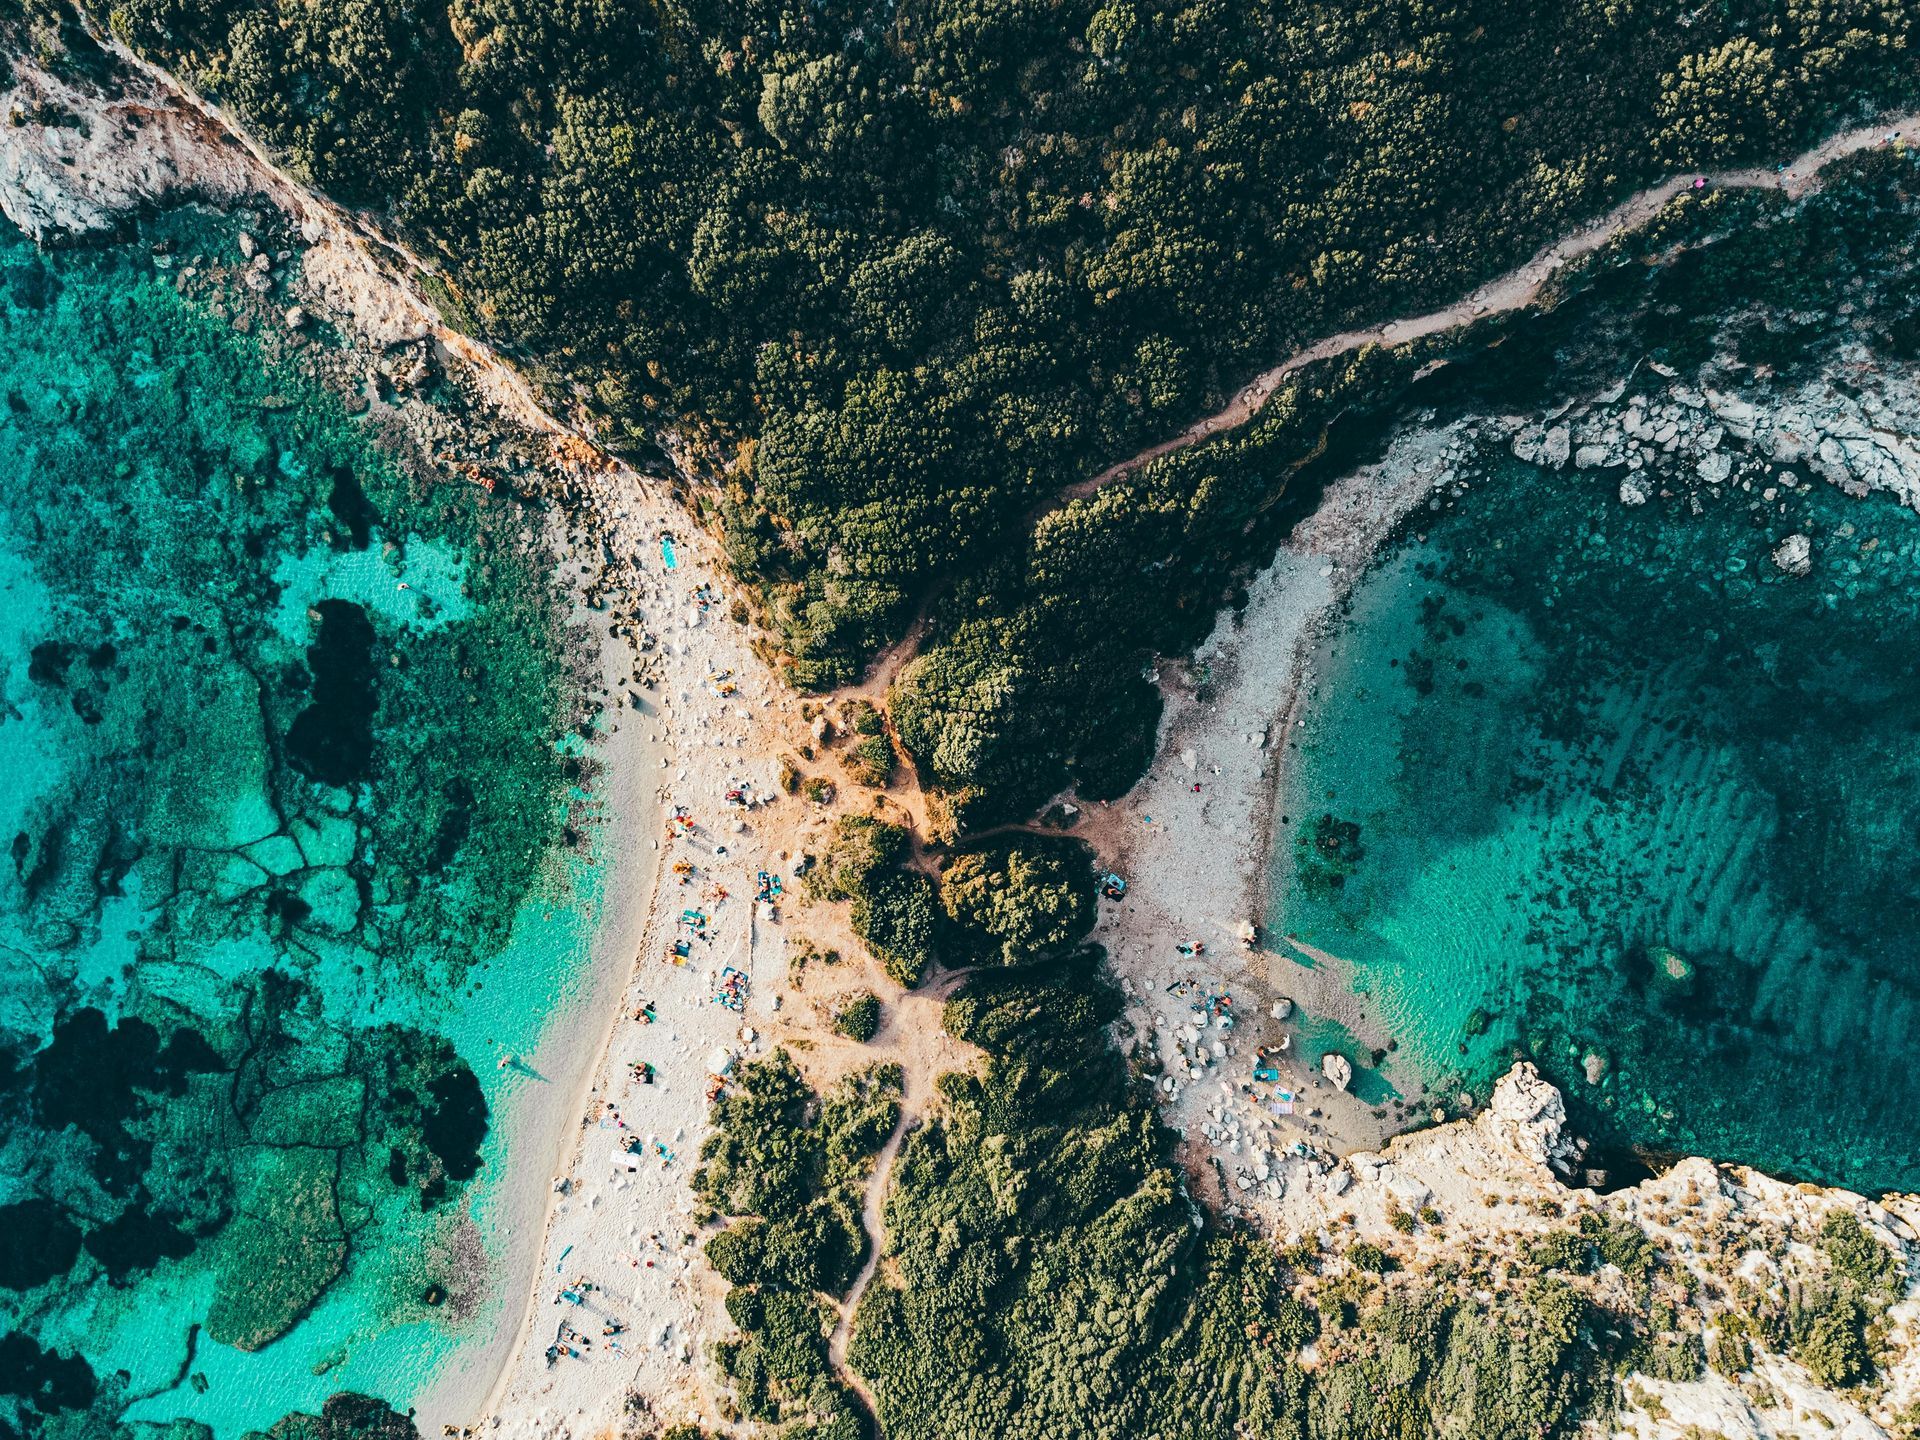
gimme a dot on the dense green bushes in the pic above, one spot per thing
(858, 1016)
(1016, 901)
(1054, 1277)
(895, 911)
(788, 1169)
(1596, 1240)
(1030, 679)
(792, 1165)
(897, 280)
(861, 847)
(896, 914)
(1827, 1324)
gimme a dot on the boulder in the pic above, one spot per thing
(1794, 555)
(1338, 1069)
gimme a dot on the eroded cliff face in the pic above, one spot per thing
(79, 154)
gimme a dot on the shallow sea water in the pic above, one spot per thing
(287, 759)
(1580, 780)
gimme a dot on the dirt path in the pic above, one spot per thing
(1513, 291)
(872, 1216)
(919, 1065)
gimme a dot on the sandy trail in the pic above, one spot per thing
(873, 1217)
(1513, 291)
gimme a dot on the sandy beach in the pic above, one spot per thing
(1195, 839)
(537, 1124)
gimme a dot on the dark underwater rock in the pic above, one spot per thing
(332, 739)
(38, 1242)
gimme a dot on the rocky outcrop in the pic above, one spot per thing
(1670, 439)
(1795, 555)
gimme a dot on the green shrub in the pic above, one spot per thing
(1672, 1357)
(858, 1016)
(1859, 1258)
(871, 761)
(1560, 1250)
(894, 913)
(1828, 1330)
(1365, 1255)
(1620, 1243)
(1019, 901)
(860, 847)
(1731, 1353)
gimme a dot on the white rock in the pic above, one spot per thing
(1338, 1069)
(1794, 555)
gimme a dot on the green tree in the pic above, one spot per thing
(1019, 901)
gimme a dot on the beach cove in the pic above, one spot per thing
(1662, 852)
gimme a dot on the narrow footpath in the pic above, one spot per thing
(1516, 289)
(873, 1219)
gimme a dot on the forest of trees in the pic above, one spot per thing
(892, 275)
(1049, 1272)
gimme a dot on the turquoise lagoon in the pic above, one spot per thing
(292, 791)
(1579, 780)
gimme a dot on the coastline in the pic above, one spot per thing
(1225, 709)
(1195, 837)
(577, 1203)
(555, 1076)
(142, 148)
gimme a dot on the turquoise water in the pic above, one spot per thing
(1583, 780)
(291, 787)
